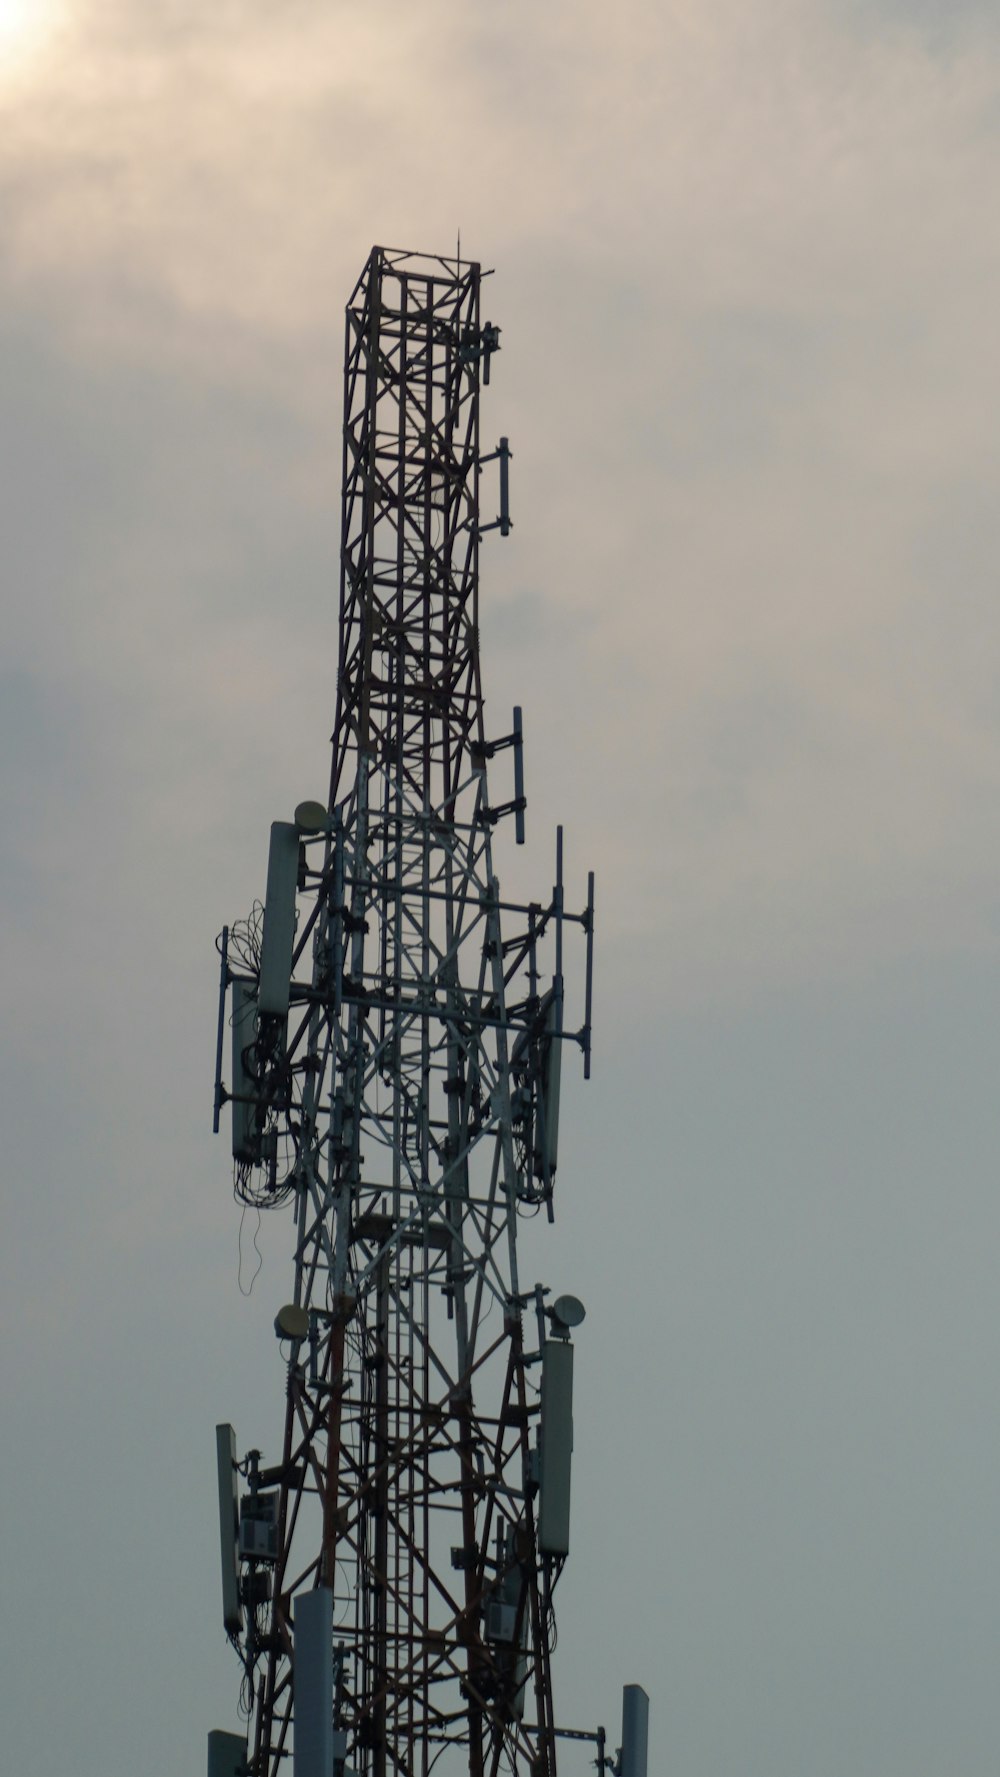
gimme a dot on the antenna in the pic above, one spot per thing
(229, 1515)
(556, 1445)
(314, 1683)
(567, 1312)
(227, 1754)
(278, 939)
(635, 1732)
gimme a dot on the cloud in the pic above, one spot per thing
(747, 274)
(747, 269)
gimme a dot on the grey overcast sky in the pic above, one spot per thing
(748, 274)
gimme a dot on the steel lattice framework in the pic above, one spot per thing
(404, 1111)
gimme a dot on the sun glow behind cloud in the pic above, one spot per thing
(752, 256)
(26, 31)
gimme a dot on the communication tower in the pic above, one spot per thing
(397, 1033)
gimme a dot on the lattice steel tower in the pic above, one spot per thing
(397, 1030)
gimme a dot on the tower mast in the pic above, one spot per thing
(398, 1028)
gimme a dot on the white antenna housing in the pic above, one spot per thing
(227, 1754)
(229, 1519)
(244, 1085)
(635, 1731)
(551, 1078)
(313, 1751)
(556, 1446)
(278, 938)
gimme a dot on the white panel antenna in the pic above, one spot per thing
(635, 1732)
(245, 1137)
(229, 1510)
(551, 1077)
(556, 1446)
(227, 1754)
(314, 1749)
(278, 937)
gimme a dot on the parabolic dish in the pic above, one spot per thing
(291, 1322)
(569, 1310)
(311, 817)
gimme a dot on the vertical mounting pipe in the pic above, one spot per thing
(504, 487)
(589, 996)
(223, 984)
(518, 776)
(559, 913)
(338, 914)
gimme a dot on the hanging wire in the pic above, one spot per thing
(260, 1256)
(245, 937)
(247, 1693)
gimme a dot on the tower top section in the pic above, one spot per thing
(409, 689)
